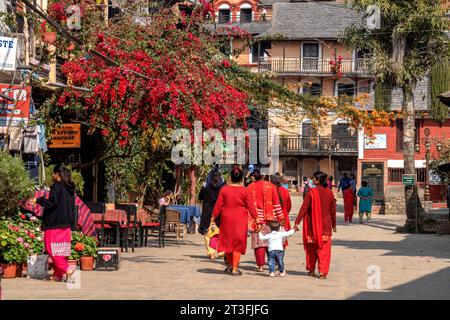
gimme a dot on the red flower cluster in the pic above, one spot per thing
(336, 67)
(79, 247)
(56, 10)
(207, 8)
(178, 88)
(13, 228)
(226, 63)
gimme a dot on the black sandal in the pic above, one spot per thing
(322, 276)
(228, 270)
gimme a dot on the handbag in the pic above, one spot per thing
(15, 139)
(213, 235)
(31, 140)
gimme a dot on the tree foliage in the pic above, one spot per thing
(15, 184)
(419, 26)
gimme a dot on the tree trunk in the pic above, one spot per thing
(412, 202)
(178, 180)
(193, 191)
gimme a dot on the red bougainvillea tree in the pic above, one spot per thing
(175, 82)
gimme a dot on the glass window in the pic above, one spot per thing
(246, 15)
(224, 15)
(347, 89)
(310, 50)
(263, 51)
(314, 88)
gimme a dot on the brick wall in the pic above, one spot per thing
(391, 137)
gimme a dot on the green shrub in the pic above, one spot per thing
(18, 239)
(15, 184)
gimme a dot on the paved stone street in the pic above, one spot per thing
(412, 267)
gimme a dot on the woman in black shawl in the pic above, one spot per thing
(208, 194)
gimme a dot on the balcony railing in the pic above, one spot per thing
(242, 18)
(311, 65)
(318, 144)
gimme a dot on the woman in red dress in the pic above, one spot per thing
(233, 205)
(348, 203)
(285, 202)
(267, 203)
(318, 212)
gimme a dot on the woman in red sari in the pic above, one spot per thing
(267, 203)
(233, 205)
(285, 202)
(348, 203)
(318, 212)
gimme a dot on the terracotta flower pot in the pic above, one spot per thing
(87, 263)
(9, 270)
(72, 262)
(49, 37)
(19, 271)
(24, 269)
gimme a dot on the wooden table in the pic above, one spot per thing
(112, 217)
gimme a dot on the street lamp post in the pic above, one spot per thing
(427, 141)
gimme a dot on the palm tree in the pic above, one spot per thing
(411, 39)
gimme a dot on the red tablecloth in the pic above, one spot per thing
(84, 214)
(119, 216)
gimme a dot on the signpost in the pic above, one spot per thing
(66, 136)
(8, 53)
(410, 180)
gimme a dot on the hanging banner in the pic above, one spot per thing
(19, 112)
(8, 53)
(66, 136)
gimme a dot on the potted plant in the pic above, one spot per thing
(89, 253)
(13, 248)
(48, 35)
(77, 248)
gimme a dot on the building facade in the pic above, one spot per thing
(303, 43)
